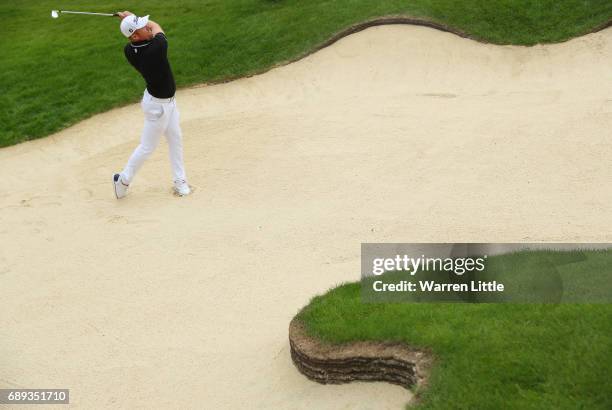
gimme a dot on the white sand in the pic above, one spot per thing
(394, 134)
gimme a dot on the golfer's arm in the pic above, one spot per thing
(155, 28)
(123, 14)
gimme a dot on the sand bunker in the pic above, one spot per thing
(393, 134)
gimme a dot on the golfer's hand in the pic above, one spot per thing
(124, 14)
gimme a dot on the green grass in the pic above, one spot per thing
(54, 73)
(489, 356)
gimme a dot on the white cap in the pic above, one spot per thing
(132, 23)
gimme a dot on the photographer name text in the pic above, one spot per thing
(431, 286)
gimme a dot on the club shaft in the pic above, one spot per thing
(86, 12)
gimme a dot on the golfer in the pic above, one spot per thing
(147, 52)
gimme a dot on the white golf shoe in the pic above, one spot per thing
(121, 189)
(181, 188)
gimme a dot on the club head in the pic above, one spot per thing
(54, 14)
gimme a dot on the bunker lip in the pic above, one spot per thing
(417, 21)
(383, 21)
(371, 361)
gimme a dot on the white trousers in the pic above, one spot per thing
(161, 118)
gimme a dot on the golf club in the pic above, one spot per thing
(55, 13)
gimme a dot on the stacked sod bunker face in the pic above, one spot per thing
(325, 363)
